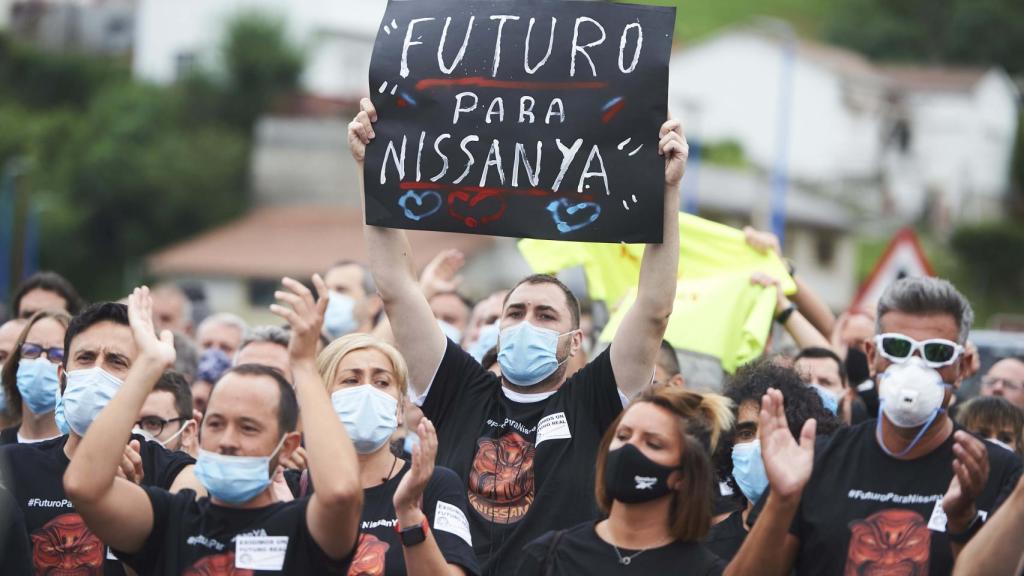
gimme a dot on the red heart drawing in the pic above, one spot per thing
(473, 216)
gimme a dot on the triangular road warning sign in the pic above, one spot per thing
(903, 257)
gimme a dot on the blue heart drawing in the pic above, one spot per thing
(576, 213)
(420, 200)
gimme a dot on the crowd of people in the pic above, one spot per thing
(388, 425)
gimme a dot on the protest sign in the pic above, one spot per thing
(525, 119)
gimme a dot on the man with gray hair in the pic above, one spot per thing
(223, 331)
(908, 486)
(354, 305)
(266, 345)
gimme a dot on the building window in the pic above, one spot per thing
(824, 249)
(184, 64)
(261, 292)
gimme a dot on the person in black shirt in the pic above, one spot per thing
(367, 381)
(98, 351)
(30, 377)
(654, 484)
(907, 490)
(524, 443)
(825, 371)
(739, 453)
(249, 423)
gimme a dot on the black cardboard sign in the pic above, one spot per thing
(527, 119)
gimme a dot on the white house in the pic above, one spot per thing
(338, 36)
(894, 139)
(954, 140)
(736, 86)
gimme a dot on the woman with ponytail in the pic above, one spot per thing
(654, 486)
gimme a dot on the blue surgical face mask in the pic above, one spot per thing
(234, 479)
(527, 354)
(370, 416)
(339, 319)
(86, 394)
(487, 339)
(37, 384)
(58, 414)
(828, 399)
(451, 332)
(748, 470)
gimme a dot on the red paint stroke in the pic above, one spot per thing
(481, 82)
(476, 198)
(611, 112)
(490, 190)
(402, 103)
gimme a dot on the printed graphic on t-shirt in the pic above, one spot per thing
(369, 558)
(65, 546)
(893, 541)
(217, 565)
(501, 485)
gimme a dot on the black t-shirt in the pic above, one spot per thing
(580, 550)
(15, 551)
(864, 510)
(380, 547)
(527, 467)
(9, 435)
(59, 537)
(726, 537)
(197, 537)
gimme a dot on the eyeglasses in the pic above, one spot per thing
(32, 351)
(991, 381)
(936, 352)
(154, 425)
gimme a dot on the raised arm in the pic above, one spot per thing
(635, 347)
(117, 510)
(769, 548)
(998, 547)
(418, 336)
(334, 509)
(799, 328)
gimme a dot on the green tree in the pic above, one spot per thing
(979, 32)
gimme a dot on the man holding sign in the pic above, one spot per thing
(525, 443)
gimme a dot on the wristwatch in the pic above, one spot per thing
(785, 314)
(413, 535)
(969, 532)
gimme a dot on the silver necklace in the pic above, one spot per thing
(626, 560)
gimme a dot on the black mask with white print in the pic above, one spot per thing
(632, 478)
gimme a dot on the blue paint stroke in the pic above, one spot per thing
(408, 98)
(557, 207)
(419, 199)
(611, 103)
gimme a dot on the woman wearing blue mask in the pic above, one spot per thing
(739, 460)
(654, 487)
(30, 377)
(413, 518)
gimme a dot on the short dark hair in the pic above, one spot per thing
(819, 352)
(93, 314)
(369, 286)
(287, 406)
(667, 358)
(800, 401)
(465, 301)
(570, 299)
(50, 282)
(177, 385)
(987, 414)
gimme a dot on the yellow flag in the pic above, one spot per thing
(717, 310)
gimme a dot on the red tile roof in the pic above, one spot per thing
(271, 242)
(933, 78)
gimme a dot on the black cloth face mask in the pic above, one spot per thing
(632, 478)
(856, 366)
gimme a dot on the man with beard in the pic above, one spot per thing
(525, 442)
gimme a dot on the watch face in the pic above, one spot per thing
(413, 536)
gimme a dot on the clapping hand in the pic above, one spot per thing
(304, 314)
(409, 494)
(787, 463)
(970, 468)
(140, 318)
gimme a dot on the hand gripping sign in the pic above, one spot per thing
(525, 119)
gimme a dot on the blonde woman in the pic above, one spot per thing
(414, 514)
